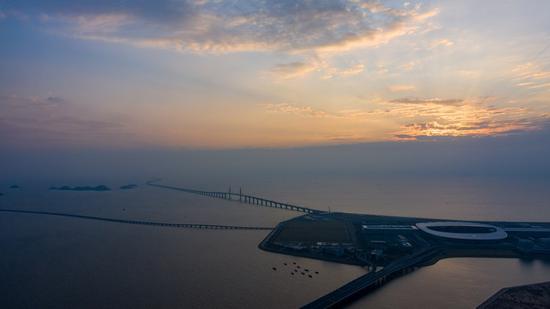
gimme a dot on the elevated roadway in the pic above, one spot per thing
(139, 222)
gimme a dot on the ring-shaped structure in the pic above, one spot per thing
(463, 230)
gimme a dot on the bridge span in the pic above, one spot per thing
(356, 288)
(241, 198)
(139, 222)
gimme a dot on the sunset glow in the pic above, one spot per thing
(216, 74)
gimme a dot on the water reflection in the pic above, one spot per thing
(46, 262)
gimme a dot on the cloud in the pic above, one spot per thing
(442, 43)
(374, 6)
(333, 72)
(491, 127)
(157, 12)
(409, 65)
(419, 119)
(293, 69)
(310, 111)
(13, 102)
(428, 101)
(302, 68)
(103, 24)
(296, 110)
(401, 88)
(36, 121)
(532, 76)
(54, 99)
(227, 26)
(456, 118)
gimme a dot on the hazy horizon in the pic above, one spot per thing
(354, 131)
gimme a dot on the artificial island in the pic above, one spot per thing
(387, 246)
(393, 246)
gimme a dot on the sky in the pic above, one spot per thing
(268, 74)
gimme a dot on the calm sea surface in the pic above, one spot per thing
(54, 262)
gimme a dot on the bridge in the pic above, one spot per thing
(241, 198)
(140, 222)
(356, 288)
(238, 197)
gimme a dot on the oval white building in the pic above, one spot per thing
(463, 230)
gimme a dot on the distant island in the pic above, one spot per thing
(128, 187)
(14, 187)
(1, 193)
(82, 188)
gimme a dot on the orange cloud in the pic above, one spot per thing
(532, 76)
(309, 26)
(474, 117)
(428, 101)
(295, 109)
(333, 72)
(401, 88)
(442, 42)
(293, 69)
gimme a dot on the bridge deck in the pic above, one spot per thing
(140, 222)
(372, 280)
(242, 198)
